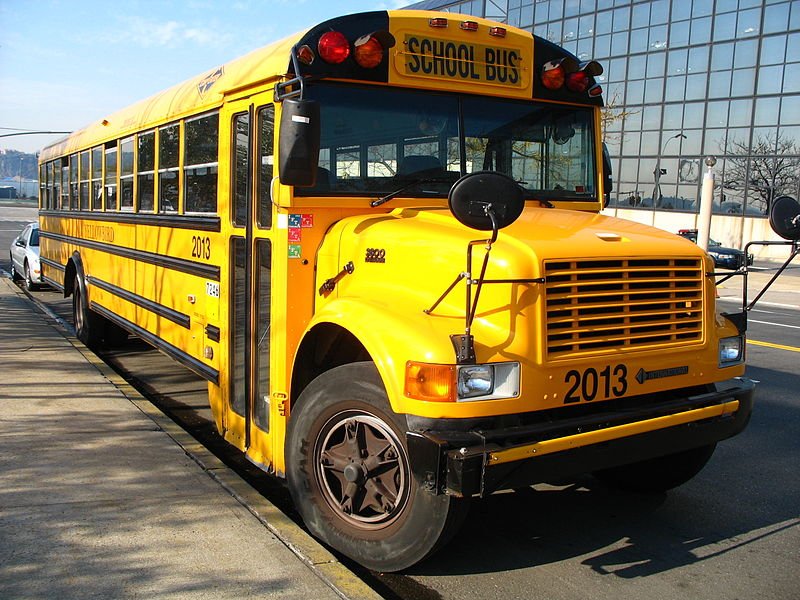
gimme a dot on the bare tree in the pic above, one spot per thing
(613, 112)
(767, 169)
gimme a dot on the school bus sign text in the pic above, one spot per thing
(448, 59)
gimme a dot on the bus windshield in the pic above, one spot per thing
(375, 141)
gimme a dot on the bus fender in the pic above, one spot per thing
(383, 334)
(74, 270)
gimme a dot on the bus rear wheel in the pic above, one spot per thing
(88, 324)
(349, 474)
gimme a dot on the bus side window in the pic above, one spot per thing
(266, 161)
(201, 147)
(97, 178)
(145, 187)
(168, 148)
(84, 193)
(126, 174)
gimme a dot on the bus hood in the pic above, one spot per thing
(415, 248)
(406, 261)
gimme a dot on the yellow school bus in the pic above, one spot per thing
(380, 242)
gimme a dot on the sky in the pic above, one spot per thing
(65, 63)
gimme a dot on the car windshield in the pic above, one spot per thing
(375, 141)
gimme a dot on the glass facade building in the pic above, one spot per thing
(684, 79)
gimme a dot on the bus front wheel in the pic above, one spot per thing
(349, 474)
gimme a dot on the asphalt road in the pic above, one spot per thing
(732, 532)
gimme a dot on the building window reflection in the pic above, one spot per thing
(724, 73)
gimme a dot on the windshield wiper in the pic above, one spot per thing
(407, 186)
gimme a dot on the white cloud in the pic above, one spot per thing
(149, 33)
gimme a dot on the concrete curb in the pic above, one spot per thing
(316, 557)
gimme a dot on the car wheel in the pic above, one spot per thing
(14, 275)
(29, 283)
(658, 474)
(349, 474)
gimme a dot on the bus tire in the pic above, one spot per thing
(88, 324)
(349, 475)
(658, 474)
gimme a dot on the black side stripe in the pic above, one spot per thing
(175, 221)
(187, 360)
(52, 263)
(169, 262)
(54, 283)
(162, 311)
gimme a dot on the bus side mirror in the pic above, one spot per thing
(299, 142)
(608, 179)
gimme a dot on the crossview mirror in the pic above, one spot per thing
(784, 218)
(299, 142)
(486, 200)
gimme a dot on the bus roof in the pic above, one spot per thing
(273, 63)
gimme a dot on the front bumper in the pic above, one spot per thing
(483, 461)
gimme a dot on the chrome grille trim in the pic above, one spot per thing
(616, 305)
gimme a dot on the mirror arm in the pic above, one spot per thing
(794, 253)
(280, 93)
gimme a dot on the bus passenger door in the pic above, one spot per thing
(251, 123)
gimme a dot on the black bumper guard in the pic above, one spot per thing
(466, 464)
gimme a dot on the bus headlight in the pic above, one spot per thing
(475, 380)
(461, 383)
(487, 382)
(731, 351)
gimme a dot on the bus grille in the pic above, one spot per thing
(622, 304)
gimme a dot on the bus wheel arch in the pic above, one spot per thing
(324, 347)
(74, 264)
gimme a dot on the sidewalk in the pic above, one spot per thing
(101, 496)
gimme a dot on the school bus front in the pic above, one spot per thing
(480, 326)
(390, 265)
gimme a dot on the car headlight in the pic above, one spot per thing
(731, 351)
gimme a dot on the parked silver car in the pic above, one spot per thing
(25, 257)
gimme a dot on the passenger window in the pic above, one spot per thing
(84, 193)
(126, 174)
(168, 148)
(110, 178)
(145, 176)
(97, 178)
(201, 139)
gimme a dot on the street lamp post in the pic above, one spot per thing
(657, 171)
